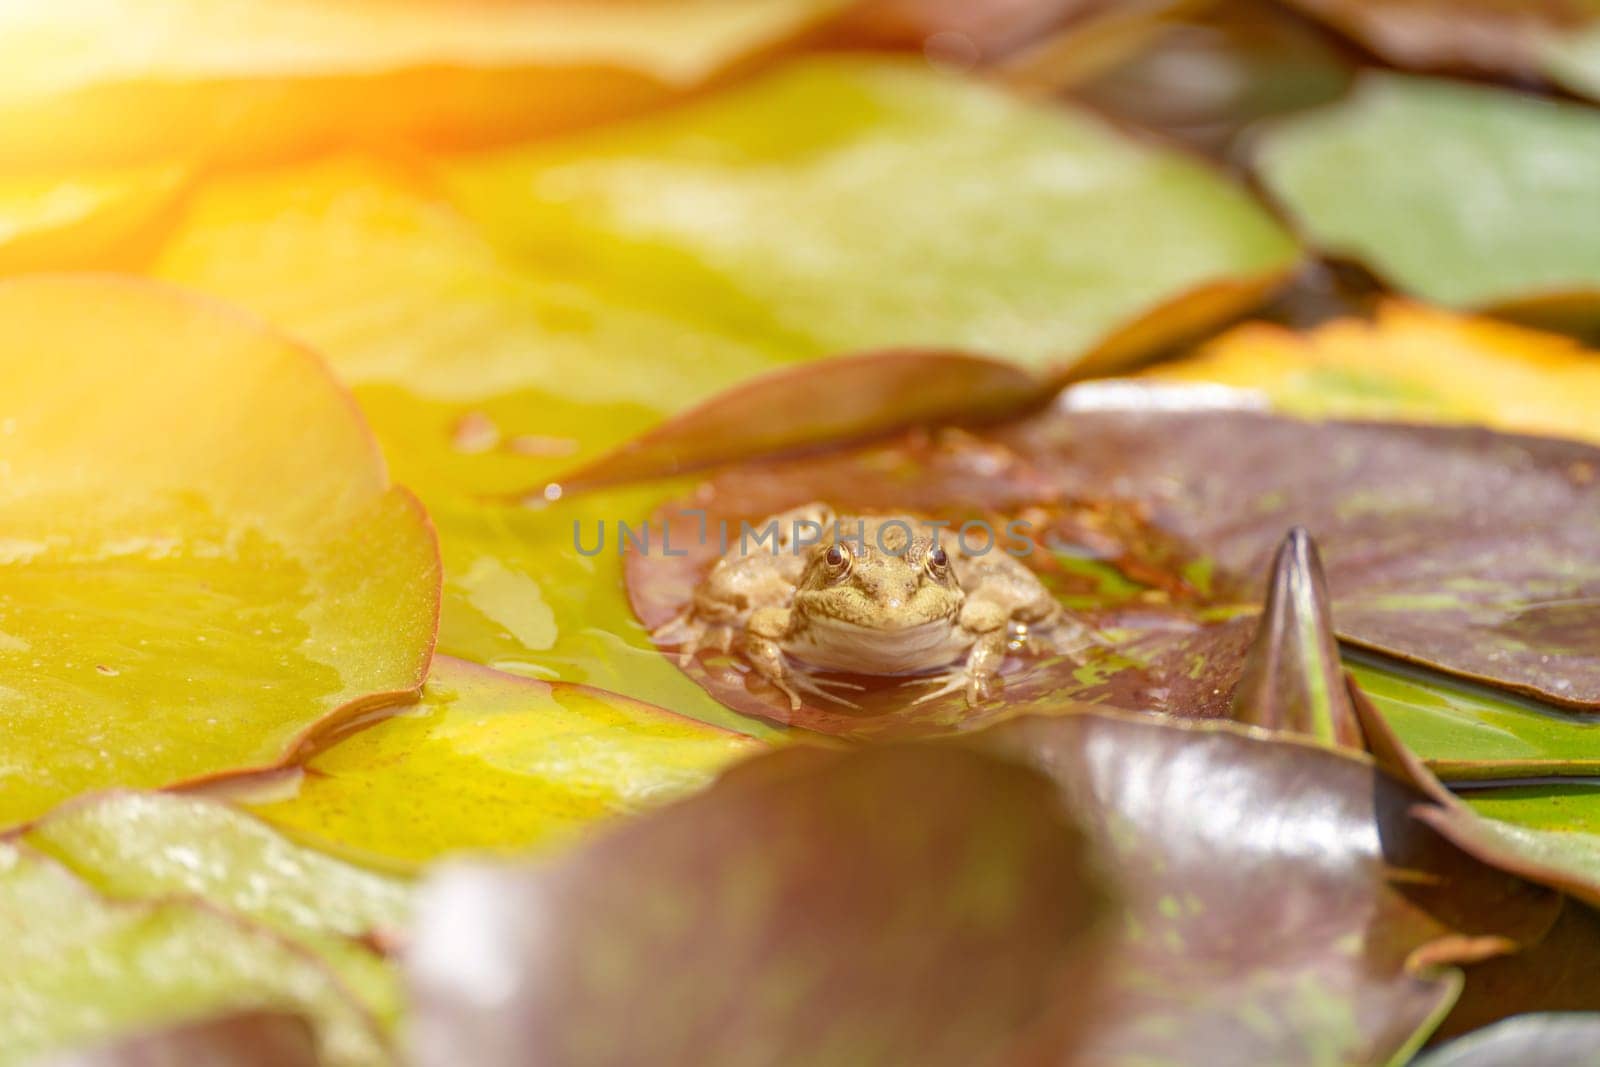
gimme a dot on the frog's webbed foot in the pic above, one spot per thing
(690, 634)
(977, 686)
(765, 654)
(816, 687)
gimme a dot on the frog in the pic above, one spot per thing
(883, 595)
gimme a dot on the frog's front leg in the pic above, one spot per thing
(763, 637)
(985, 624)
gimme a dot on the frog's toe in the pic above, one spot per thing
(948, 682)
(819, 688)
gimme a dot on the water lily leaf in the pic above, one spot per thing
(1552, 1040)
(491, 762)
(166, 78)
(800, 910)
(959, 32)
(1573, 59)
(150, 846)
(239, 1039)
(80, 969)
(204, 560)
(1492, 36)
(1412, 363)
(81, 220)
(1463, 195)
(1462, 549)
(790, 249)
(1239, 944)
(1292, 680)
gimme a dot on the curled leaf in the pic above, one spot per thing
(1292, 680)
(241, 1039)
(799, 910)
(492, 762)
(204, 562)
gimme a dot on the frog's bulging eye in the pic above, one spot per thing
(938, 562)
(837, 558)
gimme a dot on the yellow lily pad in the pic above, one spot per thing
(1412, 363)
(203, 561)
(151, 846)
(79, 968)
(81, 220)
(144, 79)
(494, 763)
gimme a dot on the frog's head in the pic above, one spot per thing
(898, 581)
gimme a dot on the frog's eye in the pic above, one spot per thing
(938, 562)
(837, 558)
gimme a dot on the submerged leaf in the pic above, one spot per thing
(1280, 900)
(241, 1039)
(1411, 362)
(1464, 195)
(204, 562)
(1292, 680)
(799, 910)
(79, 969)
(492, 762)
(147, 79)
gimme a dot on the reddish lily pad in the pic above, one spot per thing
(959, 32)
(240, 1039)
(1282, 905)
(797, 907)
(1463, 549)
(1493, 36)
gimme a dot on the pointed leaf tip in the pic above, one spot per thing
(1292, 679)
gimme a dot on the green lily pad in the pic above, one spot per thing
(151, 846)
(797, 908)
(1468, 196)
(79, 968)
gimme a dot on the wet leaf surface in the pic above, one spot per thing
(978, 915)
(1474, 556)
(1551, 1040)
(1280, 900)
(171, 78)
(1507, 37)
(1463, 195)
(494, 763)
(243, 1039)
(1411, 363)
(204, 562)
(79, 969)
(152, 846)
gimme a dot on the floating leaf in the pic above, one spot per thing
(1411, 363)
(80, 220)
(164, 78)
(1292, 680)
(204, 563)
(799, 910)
(1243, 942)
(242, 1039)
(150, 846)
(1554, 1040)
(1462, 549)
(958, 32)
(492, 762)
(900, 208)
(79, 969)
(1463, 195)
(1573, 59)
(1494, 36)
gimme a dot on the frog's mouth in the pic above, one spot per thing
(835, 645)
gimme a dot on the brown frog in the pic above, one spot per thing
(874, 595)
